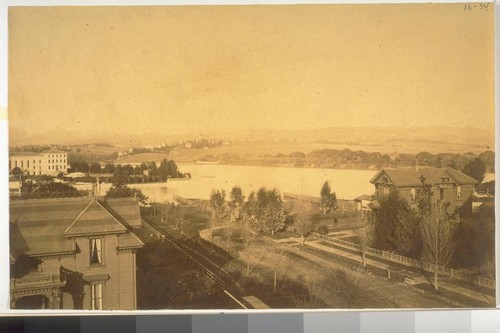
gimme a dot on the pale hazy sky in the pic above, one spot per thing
(197, 69)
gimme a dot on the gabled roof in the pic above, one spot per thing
(46, 226)
(37, 226)
(129, 241)
(126, 210)
(412, 178)
(94, 219)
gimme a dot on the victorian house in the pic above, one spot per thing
(446, 185)
(74, 253)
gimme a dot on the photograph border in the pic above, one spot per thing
(4, 208)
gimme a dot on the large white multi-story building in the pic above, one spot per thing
(50, 162)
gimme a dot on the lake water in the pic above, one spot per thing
(348, 184)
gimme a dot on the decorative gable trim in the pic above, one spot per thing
(380, 175)
(78, 217)
(114, 219)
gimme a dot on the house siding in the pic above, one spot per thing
(127, 276)
(117, 271)
(444, 187)
(109, 266)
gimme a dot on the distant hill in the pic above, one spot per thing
(475, 138)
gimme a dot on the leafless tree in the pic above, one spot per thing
(366, 235)
(302, 226)
(227, 235)
(277, 255)
(310, 295)
(302, 223)
(247, 236)
(438, 238)
(355, 287)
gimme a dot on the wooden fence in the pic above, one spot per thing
(489, 283)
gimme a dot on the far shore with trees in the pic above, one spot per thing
(147, 172)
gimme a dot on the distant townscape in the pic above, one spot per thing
(92, 227)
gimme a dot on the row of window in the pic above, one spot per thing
(56, 155)
(413, 193)
(57, 167)
(21, 164)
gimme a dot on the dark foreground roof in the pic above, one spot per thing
(46, 226)
(411, 177)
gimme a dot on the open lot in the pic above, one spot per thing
(305, 278)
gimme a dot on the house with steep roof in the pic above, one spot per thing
(445, 184)
(74, 253)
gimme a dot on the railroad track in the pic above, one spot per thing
(201, 262)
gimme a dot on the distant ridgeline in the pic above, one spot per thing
(348, 159)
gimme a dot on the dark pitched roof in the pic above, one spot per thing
(37, 226)
(129, 241)
(46, 226)
(411, 177)
(127, 209)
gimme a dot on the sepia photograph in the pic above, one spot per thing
(204, 157)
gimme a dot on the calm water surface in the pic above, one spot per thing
(347, 184)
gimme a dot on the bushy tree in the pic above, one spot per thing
(395, 225)
(123, 191)
(475, 241)
(265, 210)
(323, 230)
(236, 201)
(109, 168)
(80, 166)
(95, 167)
(56, 190)
(218, 204)
(487, 188)
(16, 172)
(475, 168)
(328, 199)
